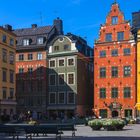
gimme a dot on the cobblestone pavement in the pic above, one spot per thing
(130, 132)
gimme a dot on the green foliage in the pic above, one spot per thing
(95, 124)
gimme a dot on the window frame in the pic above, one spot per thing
(102, 54)
(120, 36)
(114, 20)
(73, 78)
(64, 97)
(50, 96)
(49, 79)
(127, 95)
(102, 94)
(68, 97)
(127, 72)
(108, 37)
(102, 73)
(54, 63)
(59, 59)
(113, 72)
(68, 61)
(59, 79)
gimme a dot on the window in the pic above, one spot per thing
(70, 62)
(11, 93)
(102, 54)
(11, 42)
(52, 98)
(127, 92)
(11, 76)
(114, 92)
(66, 47)
(25, 42)
(126, 51)
(103, 113)
(52, 63)
(102, 72)
(30, 70)
(39, 56)
(114, 52)
(21, 70)
(70, 98)
(4, 55)
(61, 98)
(102, 93)
(52, 79)
(120, 36)
(40, 40)
(21, 57)
(4, 38)
(56, 48)
(127, 71)
(108, 37)
(114, 20)
(4, 92)
(61, 62)
(71, 78)
(4, 75)
(30, 56)
(61, 79)
(128, 113)
(114, 71)
(11, 58)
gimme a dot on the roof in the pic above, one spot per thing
(32, 34)
(5, 30)
(33, 31)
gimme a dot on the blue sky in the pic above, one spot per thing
(81, 17)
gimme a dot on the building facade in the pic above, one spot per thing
(115, 68)
(136, 32)
(32, 66)
(7, 71)
(70, 77)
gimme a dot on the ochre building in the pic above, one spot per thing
(7, 71)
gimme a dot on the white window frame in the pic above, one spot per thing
(61, 59)
(68, 78)
(55, 63)
(41, 41)
(26, 42)
(64, 97)
(49, 79)
(64, 79)
(38, 56)
(68, 96)
(68, 61)
(49, 97)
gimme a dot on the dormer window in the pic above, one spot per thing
(40, 40)
(114, 20)
(26, 42)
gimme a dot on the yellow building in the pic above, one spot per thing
(7, 71)
(138, 72)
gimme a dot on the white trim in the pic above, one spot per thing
(64, 97)
(68, 96)
(49, 79)
(73, 61)
(54, 61)
(64, 79)
(73, 78)
(58, 62)
(49, 97)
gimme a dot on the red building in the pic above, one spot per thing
(32, 66)
(115, 68)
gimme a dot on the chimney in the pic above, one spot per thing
(58, 23)
(8, 27)
(34, 26)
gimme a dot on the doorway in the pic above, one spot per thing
(115, 114)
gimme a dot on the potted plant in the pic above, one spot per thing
(95, 124)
